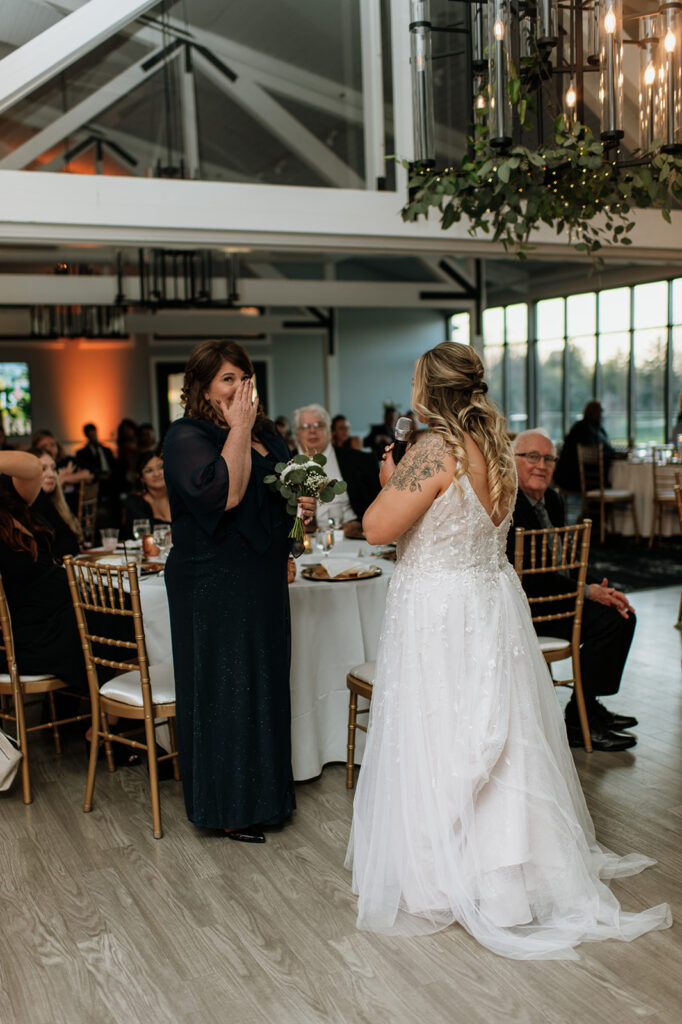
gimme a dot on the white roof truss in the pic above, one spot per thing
(37, 61)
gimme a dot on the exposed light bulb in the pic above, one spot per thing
(669, 41)
(649, 74)
(498, 29)
(610, 22)
(571, 96)
(480, 102)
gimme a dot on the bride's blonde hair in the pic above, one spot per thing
(451, 395)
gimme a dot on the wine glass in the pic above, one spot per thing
(162, 538)
(141, 527)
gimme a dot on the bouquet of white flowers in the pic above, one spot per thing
(303, 477)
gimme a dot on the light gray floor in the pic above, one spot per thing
(100, 922)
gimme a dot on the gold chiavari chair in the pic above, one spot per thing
(359, 681)
(562, 550)
(142, 693)
(663, 499)
(593, 491)
(88, 496)
(17, 687)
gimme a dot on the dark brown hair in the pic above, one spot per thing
(13, 507)
(202, 366)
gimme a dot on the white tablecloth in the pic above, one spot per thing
(639, 478)
(334, 626)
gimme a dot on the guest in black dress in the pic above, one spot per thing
(43, 620)
(226, 577)
(151, 500)
(51, 507)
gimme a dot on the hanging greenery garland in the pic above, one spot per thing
(566, 183)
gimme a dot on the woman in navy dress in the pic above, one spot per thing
(226, 578)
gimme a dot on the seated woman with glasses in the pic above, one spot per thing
(151, 499)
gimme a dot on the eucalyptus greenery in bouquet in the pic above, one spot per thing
(303, 477)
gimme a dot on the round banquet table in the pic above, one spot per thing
(639, 478)
(334, 626)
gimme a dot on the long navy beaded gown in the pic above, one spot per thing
(226, 579)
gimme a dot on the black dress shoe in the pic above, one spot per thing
(613, 721)
(248, 834)
(602, 739)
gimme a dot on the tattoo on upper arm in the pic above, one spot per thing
(424, 460)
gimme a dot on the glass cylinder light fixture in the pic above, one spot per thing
(499, 73)
(547, 30)
(422, 83)
(591, 37)
(571, 103)
(648, 84)
(611, 70)
(479, 37)
(670, 57)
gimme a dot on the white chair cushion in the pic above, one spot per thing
(128, 689)
(5, 678)
(365, 673)
(552, 643)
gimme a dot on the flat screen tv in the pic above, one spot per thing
(15, 399)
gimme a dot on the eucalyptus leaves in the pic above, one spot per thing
(565, 183)
(303, 476)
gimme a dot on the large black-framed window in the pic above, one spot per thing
(621, 345)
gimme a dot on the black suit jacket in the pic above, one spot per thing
(361, 473)
(87, 459)
(525, 516)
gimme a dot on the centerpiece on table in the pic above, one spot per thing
(303, 477)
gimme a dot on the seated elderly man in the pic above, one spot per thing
(312, 427)
(608, 621)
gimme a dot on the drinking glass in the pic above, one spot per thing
(141, 527)
(162, 538)
(109, 538)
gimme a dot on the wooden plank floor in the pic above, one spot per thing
(103, 923)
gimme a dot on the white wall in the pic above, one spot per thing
(75, 381)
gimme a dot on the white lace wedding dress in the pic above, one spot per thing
(468, 807)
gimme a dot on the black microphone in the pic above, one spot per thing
(402, 436)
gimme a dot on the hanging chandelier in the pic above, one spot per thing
(564, 45)
(554, 71)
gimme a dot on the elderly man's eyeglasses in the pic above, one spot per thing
(312, 426)
(535, 457)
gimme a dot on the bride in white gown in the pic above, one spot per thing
(468, 807)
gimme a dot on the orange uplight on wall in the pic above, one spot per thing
(92, 382)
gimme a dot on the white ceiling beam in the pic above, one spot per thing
(403, 118)
(75, 209)
(372, 92)
(190, 122)
(39, 60)
(67, 289)
(280, 123)
(86, 111)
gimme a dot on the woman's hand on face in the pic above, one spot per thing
(387, 466)
(308, 507)
(242, 410)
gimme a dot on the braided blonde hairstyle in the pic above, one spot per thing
(451, 396)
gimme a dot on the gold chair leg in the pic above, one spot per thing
(602, 525)
(150, 738)
(580, 701)
(55, 727)
(679, 612)
(634, 521)
(108, 748)
(22, 736)
(174, 747)
(350, 755)
(92, 762)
